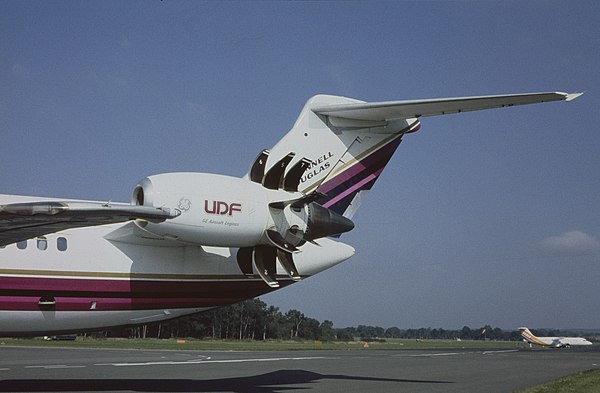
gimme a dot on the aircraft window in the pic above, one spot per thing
(22, 244)
(61, 244)
(42, 243)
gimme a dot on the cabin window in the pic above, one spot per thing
(22, 244)
(42, 243)
(61, 244)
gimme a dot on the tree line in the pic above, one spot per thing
(253, 319)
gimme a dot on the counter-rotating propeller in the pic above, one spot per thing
(296, 221)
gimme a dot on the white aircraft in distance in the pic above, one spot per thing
(557, 342)
(190, 242)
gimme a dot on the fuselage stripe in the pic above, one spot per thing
(119, 275)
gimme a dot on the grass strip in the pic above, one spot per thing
(583, 382)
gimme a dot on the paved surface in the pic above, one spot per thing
(68, 370)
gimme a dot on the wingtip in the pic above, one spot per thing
(572, 96)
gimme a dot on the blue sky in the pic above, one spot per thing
(480, 218)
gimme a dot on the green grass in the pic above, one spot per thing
(583, 382)
(269, 345)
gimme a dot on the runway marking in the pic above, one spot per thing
(430, 354)
(500, 351)
(458, 353)
(205, 361)
(54, 366)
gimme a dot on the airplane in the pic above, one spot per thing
(557, 342)
(190, 242)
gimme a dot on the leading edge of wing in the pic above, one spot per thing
(22, 221)
(393, 110)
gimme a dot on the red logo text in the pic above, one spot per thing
(222, 208)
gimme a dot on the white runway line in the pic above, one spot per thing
(500, 351)
(53, 366)
(206, 361)
(422, 355)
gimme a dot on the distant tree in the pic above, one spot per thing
(392, 332)
(346, 334)
(295, 319)
(466, 333)
(369, 332)
(274, 324)
(254, 319)
(424, 333)
(309, 329)
(326, 331)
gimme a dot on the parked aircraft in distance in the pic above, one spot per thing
(189, 242)
(557, 342)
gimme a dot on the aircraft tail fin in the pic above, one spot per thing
(339, 146)
(530, 337)
(333, 158)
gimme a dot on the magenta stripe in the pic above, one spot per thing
(24, 293)
(383, 151)
(21, 303)
(342, 177)
(19, 283)
(353, 188)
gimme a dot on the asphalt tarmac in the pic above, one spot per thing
(94, 370)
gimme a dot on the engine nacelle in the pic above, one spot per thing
(225, 211)
(216, 210)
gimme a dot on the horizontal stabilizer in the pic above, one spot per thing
(394, 110)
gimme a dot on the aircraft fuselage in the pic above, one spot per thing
(83, 279)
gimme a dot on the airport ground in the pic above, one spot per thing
(258, 345)
(392, 370)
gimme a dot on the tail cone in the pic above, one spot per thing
(324, 222)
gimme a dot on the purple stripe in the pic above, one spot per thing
(342, 177)
(122, 286)
(24, 293)
(353, 188)
(21, 303)
(384, 153)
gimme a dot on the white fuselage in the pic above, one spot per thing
(564, 341)
(558, 342)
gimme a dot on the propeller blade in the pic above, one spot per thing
(292, 178)
(298, 202)
(264, 261)
(244, 260)
(309, 198)
(274, 176)
(258, 168)
(297, 233)
(278, 241)
(287, 262)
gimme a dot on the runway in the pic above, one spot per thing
(71, 370)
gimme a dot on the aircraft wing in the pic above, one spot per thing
(392, 110)
(22, 221)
